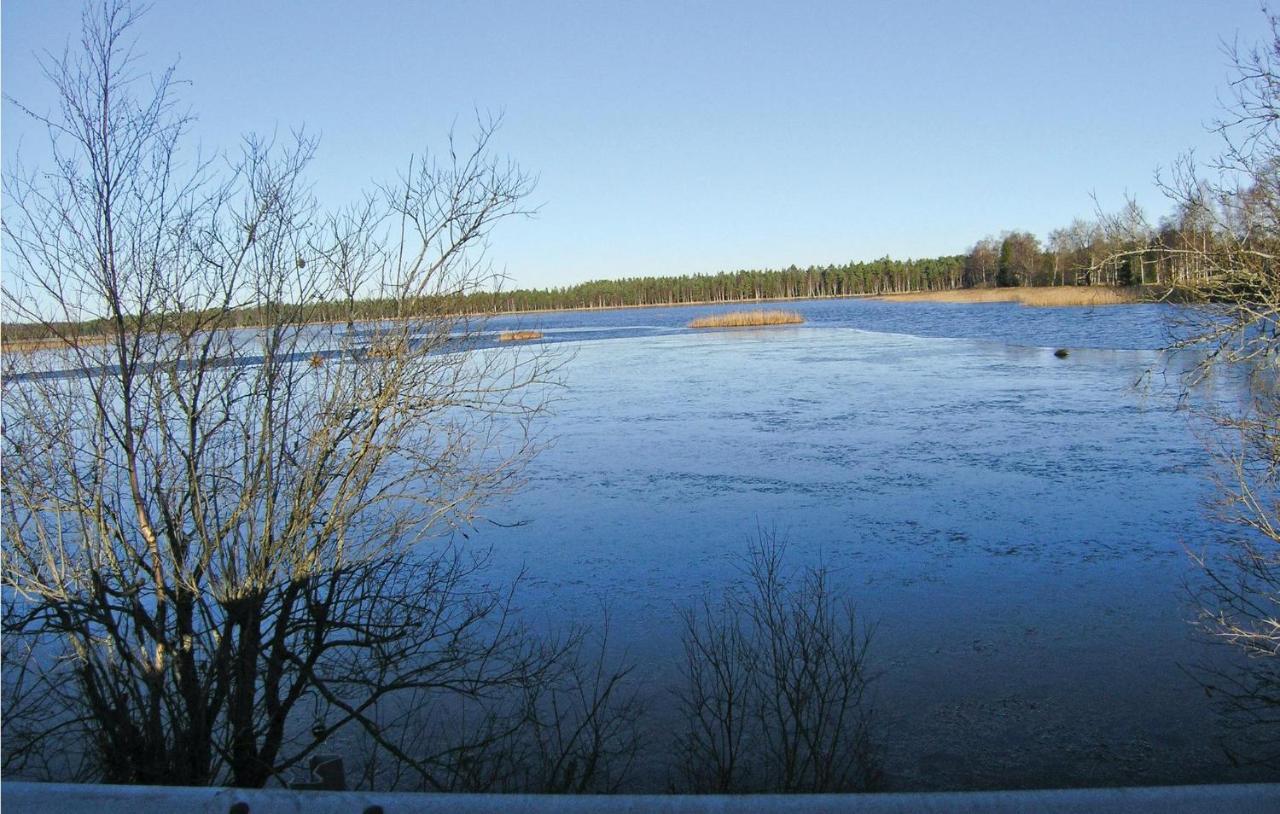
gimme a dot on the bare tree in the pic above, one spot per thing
(1224, 244)
(775, 685)
(218, 540)
(981, 263)
(1240, 601)
(351, 248)
(1019, 255)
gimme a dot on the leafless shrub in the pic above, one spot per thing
(1239, 598)
(218, 556)
(1226, 235)
(774, 692)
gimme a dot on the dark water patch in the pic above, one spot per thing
(1017, 533)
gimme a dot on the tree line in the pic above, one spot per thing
(883, 276)
(1113, 249)
(1181, 252)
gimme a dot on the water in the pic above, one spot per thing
(1016, 525)
(1134, 326)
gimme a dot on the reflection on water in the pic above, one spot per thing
(1014, 522)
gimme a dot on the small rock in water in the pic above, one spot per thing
(1061, 353)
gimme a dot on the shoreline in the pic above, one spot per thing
(50, 343)
(691, 303)
(32, 345)
(1030, 296)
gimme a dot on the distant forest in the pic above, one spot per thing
(1115, 250)
(874, 277)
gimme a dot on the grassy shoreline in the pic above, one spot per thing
(1037, 297)
(48, 343)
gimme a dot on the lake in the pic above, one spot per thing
(1016, 525)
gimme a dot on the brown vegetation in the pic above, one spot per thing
(45, 343)
(519, 336)
(1039, 296)
(747, 319)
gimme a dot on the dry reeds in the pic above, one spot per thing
(747, 319)
(50, 343)
(519, 336)
(1039, 297)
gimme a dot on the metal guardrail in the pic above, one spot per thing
(23, 797)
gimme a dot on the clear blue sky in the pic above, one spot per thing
(694, 137)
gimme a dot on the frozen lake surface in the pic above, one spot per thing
(1015, 524)
(1134, 326)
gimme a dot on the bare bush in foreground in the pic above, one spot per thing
(774, 692)
(1224, 239)
(1239, 207)
(222, 519)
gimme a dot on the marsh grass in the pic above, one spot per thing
(1039, 297)
(46, 343)
(519, 336)
(747, 319)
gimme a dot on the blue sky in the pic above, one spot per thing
(696, 137)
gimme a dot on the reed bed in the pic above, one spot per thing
(48, 343)
(519, 336)
(747, 319)
(1038, 297)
